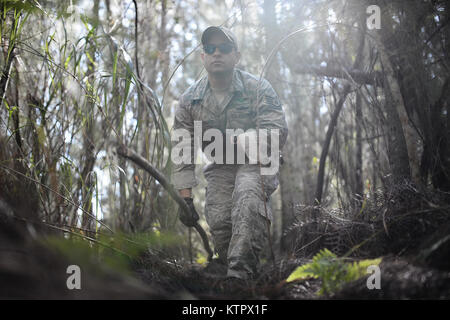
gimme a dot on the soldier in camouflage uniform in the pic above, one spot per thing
(235, 204)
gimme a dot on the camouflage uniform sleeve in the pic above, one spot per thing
(270, 111)
(183, 175)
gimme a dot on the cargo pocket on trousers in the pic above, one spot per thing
(262, 210)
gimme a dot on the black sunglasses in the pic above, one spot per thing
(224, 48)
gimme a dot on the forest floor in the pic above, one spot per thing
(194, 281)
(29, 269)
(401, 278)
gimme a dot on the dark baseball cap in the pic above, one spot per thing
(226, 32)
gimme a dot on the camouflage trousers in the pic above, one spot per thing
(236, 215)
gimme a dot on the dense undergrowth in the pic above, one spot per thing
(407, 228)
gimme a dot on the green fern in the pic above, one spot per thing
(332, 270)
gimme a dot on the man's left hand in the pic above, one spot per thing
(188, 220)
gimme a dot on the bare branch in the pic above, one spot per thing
(144, 164)
(360, 77)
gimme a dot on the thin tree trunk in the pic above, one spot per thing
(88, 136)
(359, 186)
(401, 96)
(397, 123)
(327, 142)
(273, 73)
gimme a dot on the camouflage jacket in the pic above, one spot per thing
(237, 111)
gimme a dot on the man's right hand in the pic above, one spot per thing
(188, 220)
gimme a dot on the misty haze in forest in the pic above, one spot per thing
(89, 93)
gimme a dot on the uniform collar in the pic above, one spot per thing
(203, 85)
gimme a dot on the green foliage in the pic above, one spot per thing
(114, 252)
(332, 270)
(201, 259)
(19, 5)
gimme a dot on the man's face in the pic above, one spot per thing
(219, 62)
